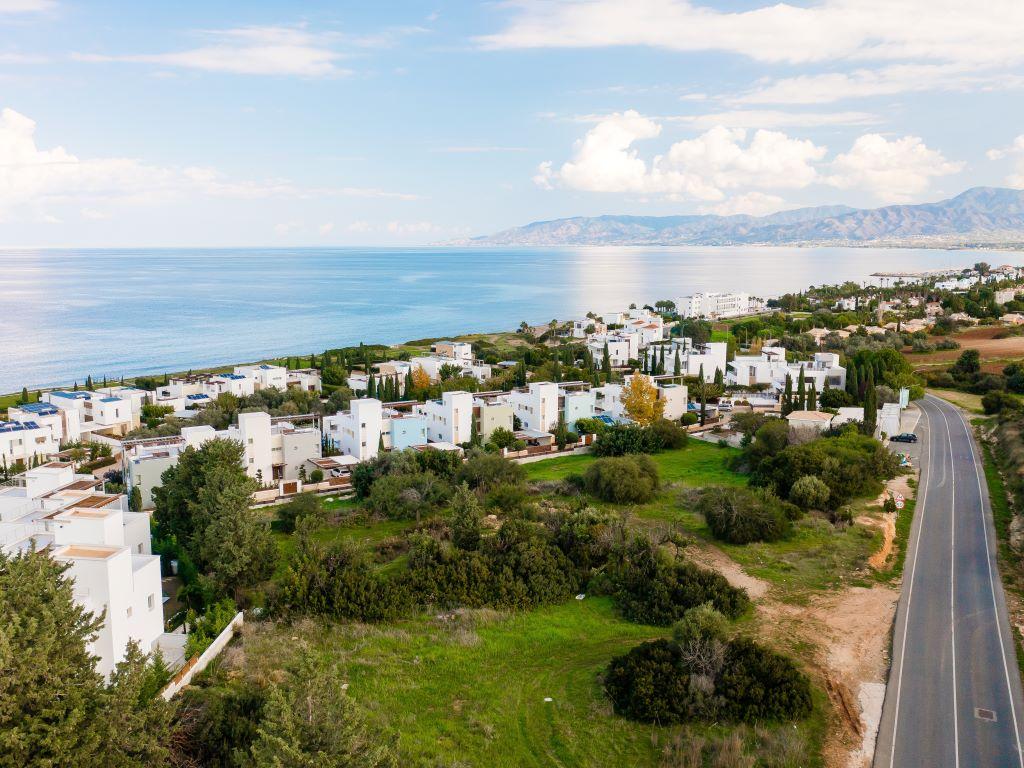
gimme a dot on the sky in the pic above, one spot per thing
(128, 124)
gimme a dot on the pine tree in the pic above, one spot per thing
(801, 392)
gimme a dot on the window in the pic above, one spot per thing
(151, 602)
(250, 441)
(129, 612)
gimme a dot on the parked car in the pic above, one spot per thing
(905, 437)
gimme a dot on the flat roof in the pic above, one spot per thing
(91, 552)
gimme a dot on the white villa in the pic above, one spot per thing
(770, 368)
(449, 419)
(67, 516)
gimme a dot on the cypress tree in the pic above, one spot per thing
(853, 382)
(556, 369)
(24, 395)
(801, 392)
(812, 397)
(678, 368)
(606, 364)
(870, 406)
(371, 387)
(719, 378)
(787, 396)
(408, 383)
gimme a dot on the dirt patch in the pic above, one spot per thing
(716, 559)
(886, 522)
(880, 559)
(980, 339)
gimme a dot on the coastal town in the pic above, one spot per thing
(86, 469)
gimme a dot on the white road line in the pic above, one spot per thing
(952, 583)
(919, 510)
(992, 587)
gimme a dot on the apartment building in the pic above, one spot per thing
(265, 376)
(401, 429)
(52, 510)
(25, 442)
(581, 329)
(357, 431)
(578, 404)
(622, 347)
(490, 415)
(718, 305)
(770, 368)
(536, 405)
(111, 411)
(64, 425)
(449, 419)
(710, 357)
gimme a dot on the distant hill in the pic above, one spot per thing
(979, 216)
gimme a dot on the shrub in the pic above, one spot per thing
(464, 517)
(667, 435)
(652, 588)
(759, 684)
(204, 629)
(649, 683)
(304, 506)
(316, 476)
(623, 479)
(997, 402)
(623, 439)
(809, 492)
(486, 470)
(740, 515)
(508, 499)
(406, 496)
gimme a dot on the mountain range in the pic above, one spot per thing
(979, 216)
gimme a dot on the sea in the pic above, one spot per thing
(68, 314)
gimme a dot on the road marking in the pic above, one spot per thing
(992, 587)
(910, 592)
(952, 583)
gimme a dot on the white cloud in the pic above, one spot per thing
(326, 228)
(1014, 152)
(822, 31)
(31, 176)
(893, 171)
(604, 160)
(25, 6)
(412, 228)
(250, 51)
(752, 203)
(766, 118)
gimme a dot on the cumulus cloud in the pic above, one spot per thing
(25, 6)
(30, 175)
(893, 171)
(267, 50)
(703, 168)
(1014, 153)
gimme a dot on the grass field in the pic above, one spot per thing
(699, 463)
(966, 400)
(817, 556)
(473, 685)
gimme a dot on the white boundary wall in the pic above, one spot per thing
(197, 664)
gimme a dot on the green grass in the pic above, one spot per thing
(470, 689)
(1009, 561)
(699, 463)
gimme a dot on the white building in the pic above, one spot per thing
(675, 396)
(581, 329)
(710, 357)
(25, 442)
(306, 379)
(52, 509)
(608, 401)
(536, 406)
(718, 305)
(110, 411)
(64, 425)
(770, 368)
(450, 419)
(265, 376)
(433, 364)
(357, 431)
(622, 347)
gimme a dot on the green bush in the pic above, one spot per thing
(623, 439)
(487, 470)
(304, 506)
(668, 435)
(810, 492)
(623, 479)
(203, 630)
(740, 515)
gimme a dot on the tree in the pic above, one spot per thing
(55, 708)
(420, 378)
(800, 404)
(640, 401)
(787, 396)
(464, 516)
(812, 397)
(237, 547)
(606, 364)
(677, 368)
(870, 405)
(310, 722)
(853, 383)
(809, 492)
(135, 499)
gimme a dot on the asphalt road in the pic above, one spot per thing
(954, 692)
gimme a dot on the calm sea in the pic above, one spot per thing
(65, 314)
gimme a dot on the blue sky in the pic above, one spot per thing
(273, 123)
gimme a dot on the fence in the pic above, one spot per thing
(539, 452)
(197, 664)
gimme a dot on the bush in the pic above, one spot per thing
(487, 470)
(623, 439)
(732, 681)
(622, 479)
(407, 496)
(204, 629)
(997, 402)
(668, 435)
(652, 588)
(809, 492)
(304, 506)
(740, 515)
